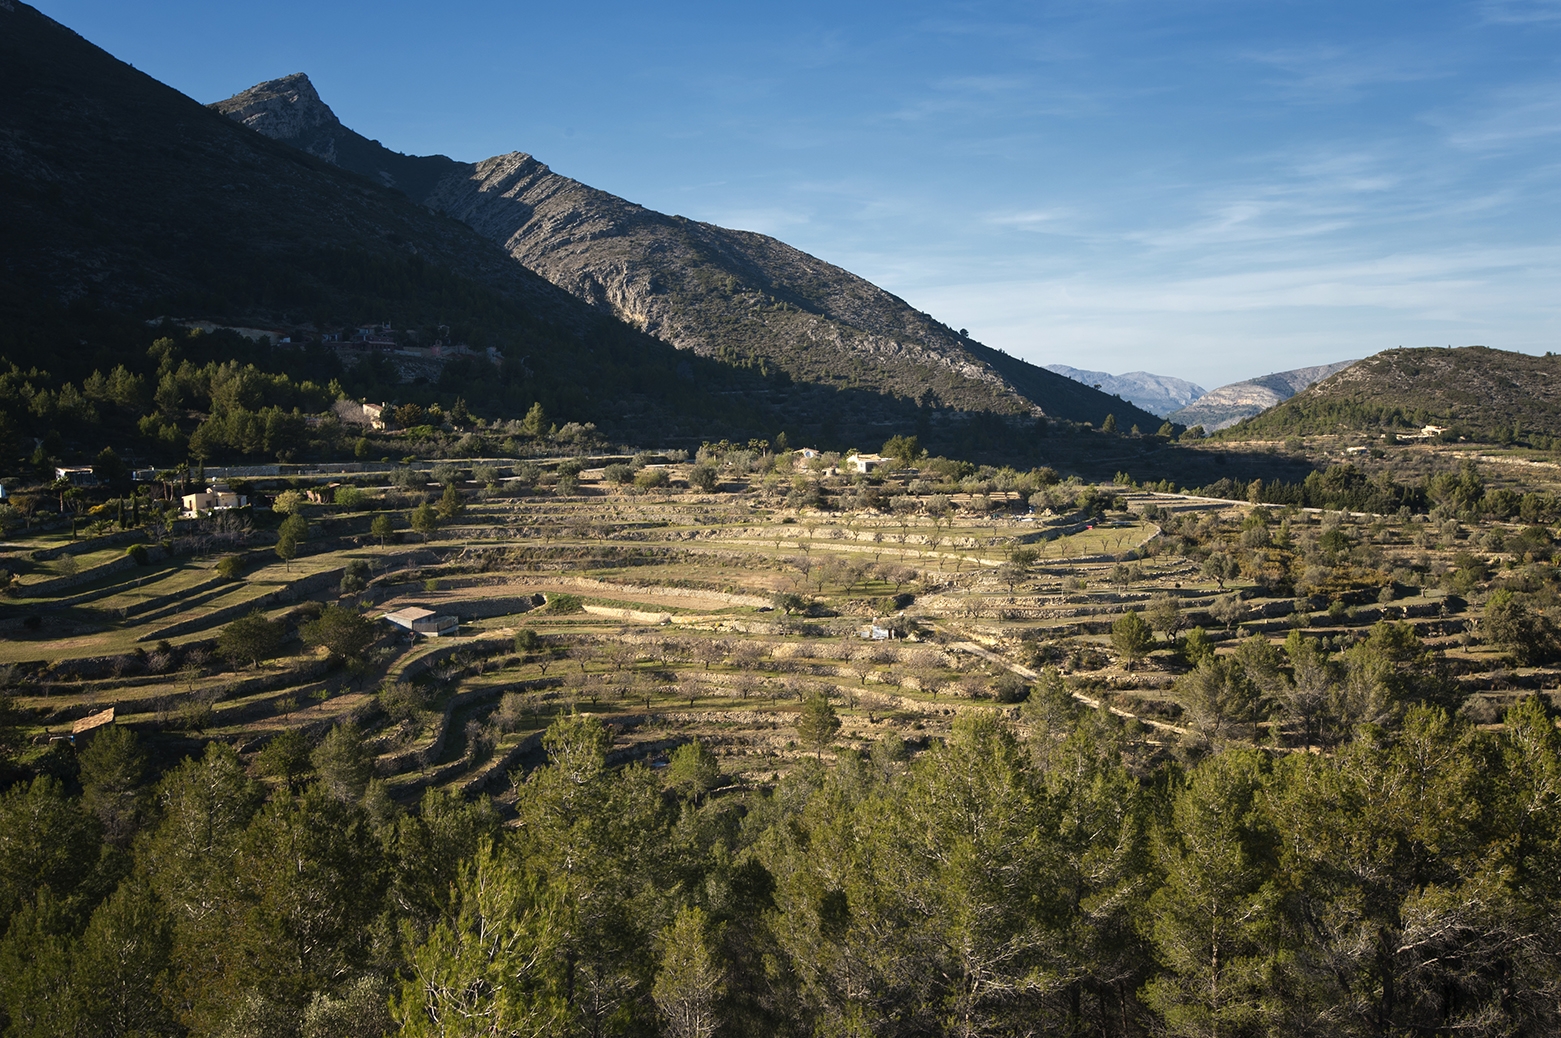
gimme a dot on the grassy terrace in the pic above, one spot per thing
(678, 614)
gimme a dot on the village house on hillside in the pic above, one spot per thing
(865, 463)
(375, 413)
(215, 498)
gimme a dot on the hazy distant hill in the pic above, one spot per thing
(740, 297)
(1227, 405)
(1482, 392)
(1158, 394)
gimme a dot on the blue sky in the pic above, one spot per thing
(1212, 190)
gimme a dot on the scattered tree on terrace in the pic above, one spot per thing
(1164, 616)
(1527, 634)
(382, 527)
(251, 639)
(294, 529)
(450, 504)
(343, 631)
(704, 477)
(817, 723)
(424, 520)
(1132, 637)
(535, 424)
(692, 771)
(1221, 567)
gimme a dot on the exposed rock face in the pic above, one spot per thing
(1158, 394)
(1227, 405)
(290, 110)
(735, 296)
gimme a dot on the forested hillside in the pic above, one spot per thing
(1404, 883)
(1472, 391)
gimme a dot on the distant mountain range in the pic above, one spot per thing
(1157, 394)
(738, 297)
(1227, 405)
(1473, 390)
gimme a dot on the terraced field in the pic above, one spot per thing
(679, 614)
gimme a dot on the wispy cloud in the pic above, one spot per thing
(1331, 74)
(1508, 118)
(1521, 12)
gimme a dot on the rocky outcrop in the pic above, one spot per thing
(288, 109)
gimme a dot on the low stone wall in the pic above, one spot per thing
(90, 544)
(291, 593)
(54, 585)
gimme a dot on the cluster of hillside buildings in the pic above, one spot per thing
(382, 338)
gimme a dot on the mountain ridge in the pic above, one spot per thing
(1158, 394)
(126, 200)
(735, 296)
(1227, 405)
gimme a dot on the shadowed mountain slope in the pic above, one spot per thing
(736, 296)
(122, 200)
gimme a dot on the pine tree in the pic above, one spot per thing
(1132, 637)
(121, 964)
(690, 981)
(424, 520)
(112, 769)
(450, 504)
(1215, 922)
(817, 723)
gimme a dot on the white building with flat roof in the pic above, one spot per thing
(423, 621)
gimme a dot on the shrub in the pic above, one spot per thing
(704, 477)
(402, 700)
(1008, 687)
(650, 479)
(229, 567)
(356, 577)
(288, 502)
(620, 473)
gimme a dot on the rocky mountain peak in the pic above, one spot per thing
(288, 109)
(281, 108)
